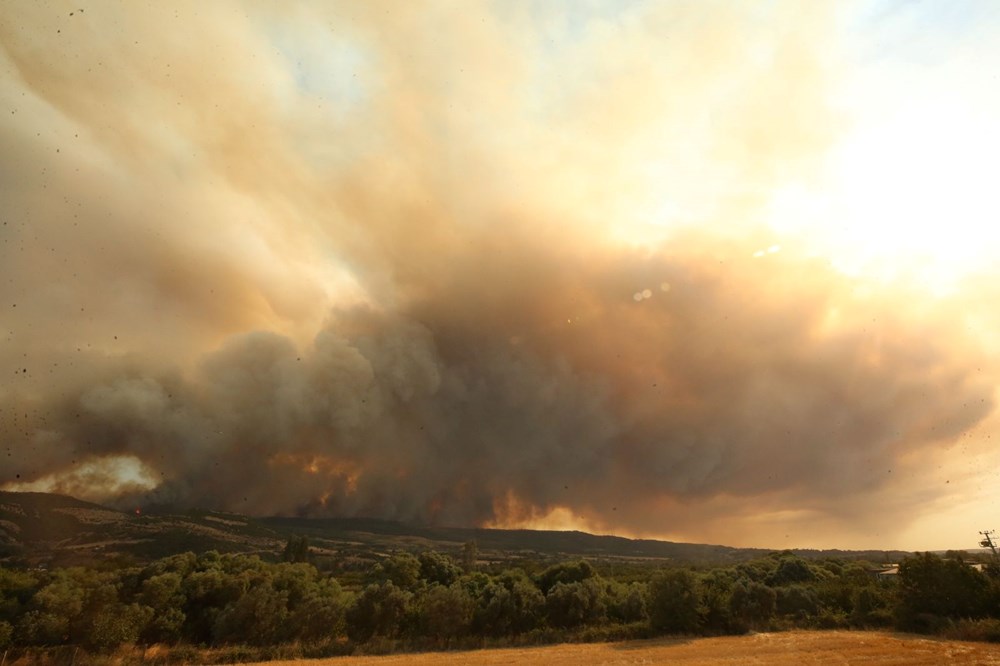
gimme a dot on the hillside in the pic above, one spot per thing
(42, 528)
(48, 528)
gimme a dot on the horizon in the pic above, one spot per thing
(172, 510)
(697, 272)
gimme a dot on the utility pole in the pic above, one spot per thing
(988, 541)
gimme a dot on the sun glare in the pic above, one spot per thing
(907, 189)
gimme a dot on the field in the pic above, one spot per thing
(793, 648)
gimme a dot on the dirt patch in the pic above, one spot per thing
(793, 648)
(12, 528)
(233, 523)
(92, 516)
(13, 508)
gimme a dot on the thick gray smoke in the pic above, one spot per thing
(601, 387)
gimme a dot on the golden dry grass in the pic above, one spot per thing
(793, 648)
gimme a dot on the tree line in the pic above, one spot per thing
(433, 600)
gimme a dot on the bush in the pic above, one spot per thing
(674, 602)
(831, 619)
(445, 612)
(437, 568)
(380, 610)
(258, 617)
(870, 608)
(570, 605)
(791, 570)
(321, 613)
(39, 628)
(626, 603)
(751, 604)
(929, 585)
(614, 632)
(566, 573)
(512, 605)
(165, 627)
(400, 569)
(921, 623)
(6, 634)
(236, 654)
(796, 600)
(987, 630)
(118, 624)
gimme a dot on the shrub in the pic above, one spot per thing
(831, 619)
(929, 585)
(565, 572)
(117, 624)
(791, 570)
(674, 602)
(796, 600)
(751, 604)
(570, 605)
(987, 630)
(511, 605)
(6, 634)
(445, 612)
(437, 568)
(380, 610)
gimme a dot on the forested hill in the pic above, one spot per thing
(43, 528)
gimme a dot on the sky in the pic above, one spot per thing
(702, 271)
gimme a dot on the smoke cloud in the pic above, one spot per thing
(383, 259)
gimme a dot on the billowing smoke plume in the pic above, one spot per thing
(395, 280)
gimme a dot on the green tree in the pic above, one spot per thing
(321, 612)
(569, 605)
(626, 602)
(181, 564)
(6, 634)
(796, 600)
(117, 624)
(930, 587)
(751, 604)
(296, 580)
(162, 592)
(206, 594)
(380, 610)
(166, 626)
(62, 610)
(869, 607)
(16, 590)
(565, 572)
(508, 605)
(716, 586)
(674, 602)
(42, 628)
(438, 568)
(470, 555)
(791, 569)
(757, 570)
(258, 617)
(445, 612)
(297, 549)
(401, 569)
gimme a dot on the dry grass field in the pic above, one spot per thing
(793, 648)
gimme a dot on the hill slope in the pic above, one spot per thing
(42, 528)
